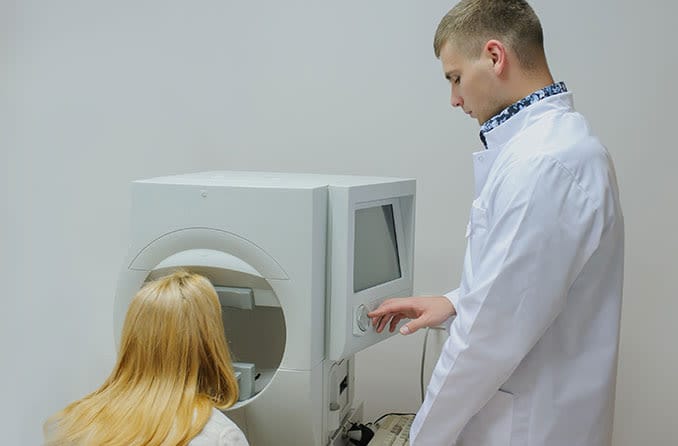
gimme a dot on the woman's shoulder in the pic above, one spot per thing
(219, 431)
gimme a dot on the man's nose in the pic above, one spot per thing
(456, 101)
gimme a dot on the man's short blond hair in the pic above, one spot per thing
(471, 23)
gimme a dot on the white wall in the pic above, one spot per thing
(100, 93)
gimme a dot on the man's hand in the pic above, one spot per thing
(424, 312)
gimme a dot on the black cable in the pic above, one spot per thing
(359, 434)
(392, 413)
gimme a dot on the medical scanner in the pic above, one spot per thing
(297, 260)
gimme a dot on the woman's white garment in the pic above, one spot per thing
(219, 431)
(532, 355)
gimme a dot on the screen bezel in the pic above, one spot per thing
(397, 284)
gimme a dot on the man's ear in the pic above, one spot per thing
(495, 51)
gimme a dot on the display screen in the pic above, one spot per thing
(375, 253)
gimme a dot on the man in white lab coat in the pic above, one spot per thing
(531, 356)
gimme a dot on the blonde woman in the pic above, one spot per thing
(172, 374)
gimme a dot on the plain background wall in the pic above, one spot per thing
(96, 94)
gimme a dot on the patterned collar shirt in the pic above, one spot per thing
(514, 108)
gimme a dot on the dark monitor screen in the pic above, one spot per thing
(375, 253)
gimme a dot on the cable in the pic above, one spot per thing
(423, 358)
(392, 413)
(421, 371)
(421, 376)
(359, 434)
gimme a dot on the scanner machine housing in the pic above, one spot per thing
(280, 249)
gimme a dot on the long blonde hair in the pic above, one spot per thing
(173, 367)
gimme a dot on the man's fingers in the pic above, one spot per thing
(382, 322)
(391, 312)
(394, 322)
(413, 326)
(377, 312)
(394, 305)
(383, 309)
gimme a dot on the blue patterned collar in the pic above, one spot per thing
(514, 108)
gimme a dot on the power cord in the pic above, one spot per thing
(357, 431)
(423, 359)
(375, 425)
(391, 413)
(359, 434)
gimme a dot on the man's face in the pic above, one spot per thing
(472, 81)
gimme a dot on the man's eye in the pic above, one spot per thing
(456, 80)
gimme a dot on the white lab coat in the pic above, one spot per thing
(532, 355)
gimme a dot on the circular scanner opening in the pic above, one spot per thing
(254, 321)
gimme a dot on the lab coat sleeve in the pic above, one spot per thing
(540, 228)
(452, 296)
